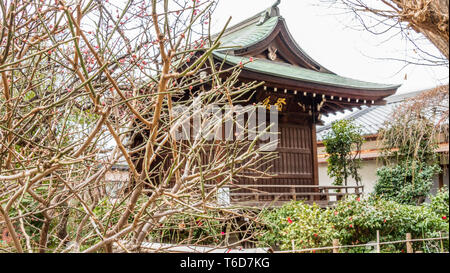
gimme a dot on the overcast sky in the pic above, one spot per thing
(326, 37)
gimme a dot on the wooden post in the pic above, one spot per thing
(409, 247)
(441, 178)
(335, 245)
(294, 197)
(227, 234)
(378, 241)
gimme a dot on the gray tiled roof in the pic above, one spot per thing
(371, 119)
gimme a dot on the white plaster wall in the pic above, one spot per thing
(436, 180)
(368, 174)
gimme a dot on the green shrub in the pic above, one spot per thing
(356, 221)
(407, 183)
(440, 203)
(298, 224)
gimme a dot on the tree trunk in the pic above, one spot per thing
(430, 19)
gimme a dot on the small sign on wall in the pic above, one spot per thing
(223, 196)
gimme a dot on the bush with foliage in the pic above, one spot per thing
(355, 221)
(406, 183)
(190, 229)
(439, 203)
(358, 220)
(299, 225)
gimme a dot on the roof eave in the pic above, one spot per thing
(383, 91)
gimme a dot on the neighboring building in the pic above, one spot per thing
(371, 120)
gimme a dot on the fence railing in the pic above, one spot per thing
(336, 247)
(266, 195)
(280, 194)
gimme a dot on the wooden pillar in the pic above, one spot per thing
(294, 196)
(441, 177)
(314, 157)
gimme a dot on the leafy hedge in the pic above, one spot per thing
(355, 221)
(306, 226)
(440, 202)
(406, 183)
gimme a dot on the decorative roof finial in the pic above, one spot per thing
(276, 4)
(270, 12)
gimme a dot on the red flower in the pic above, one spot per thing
(384, 221)
(358, 199)
(251, 59)
(316, 235)
(6, 237)
(289, 220)
(444, 217)
(351, 226)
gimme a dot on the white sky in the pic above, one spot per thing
(345, 51)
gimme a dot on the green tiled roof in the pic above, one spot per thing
(250, 35)
(289, 71)
(251, 32)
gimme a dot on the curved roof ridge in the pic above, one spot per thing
(242, 24)
(250, 34)
(322, 68)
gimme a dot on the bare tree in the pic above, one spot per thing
(417, 127)
(86, 83)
